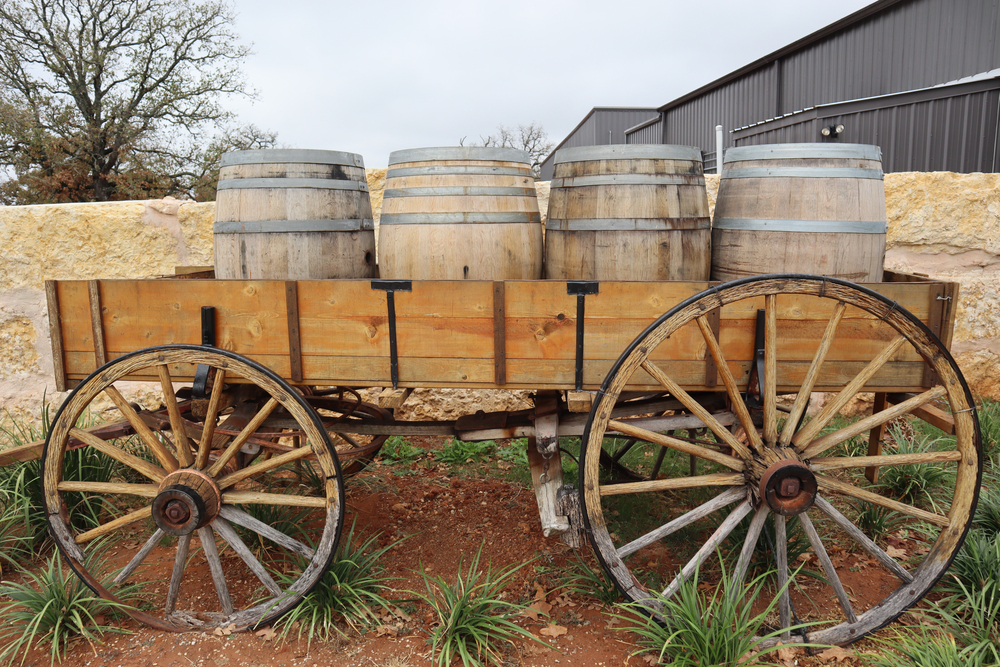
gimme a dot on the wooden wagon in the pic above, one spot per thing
(258, 375)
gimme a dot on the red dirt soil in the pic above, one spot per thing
(445, 518)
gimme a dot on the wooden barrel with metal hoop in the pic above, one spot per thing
(293, 214)
(637, 212)
(800, 208)
(460, 213)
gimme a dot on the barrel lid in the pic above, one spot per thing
(798, 151)
(300, 155)
(459, 153)
(627, 152)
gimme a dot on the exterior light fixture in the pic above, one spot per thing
(832, 130)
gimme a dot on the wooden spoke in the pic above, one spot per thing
(696, 409)
(181, 444)
(110, 526)
(866, 542)
(673, 443)
(812, 375)
(716, 479)
(259, 498)
(139, 557)
(836, 486)
(207, 539)
(803, 438)
(841, 462)
(142, 490)
(722, 500)
(154, 444)
(227, 533)
(781, 563)
(770, 369)
(659, 463)
(707, 549)
(828, 568)
(722, 367)
(753, 534)
(240, 439)
(211, 416)
(824, 443)
(241, 518)
(145, 468)
(180, 562)
(264, 466)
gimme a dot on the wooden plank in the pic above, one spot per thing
(294, 342)
(96, 323)
(391, 399)
(55, 335)
(579, 401)
(499, 333)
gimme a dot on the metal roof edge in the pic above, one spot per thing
(797, 45)
(589, 114)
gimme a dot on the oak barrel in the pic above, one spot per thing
(800, 208)
(636, 212)
(293, 214)
(460, 212)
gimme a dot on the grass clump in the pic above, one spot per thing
(914, 483)
(458, 452)
(398, 450)
(714, 627)
(472, 617)
(581, 579)
(349, 591)
(54, 606)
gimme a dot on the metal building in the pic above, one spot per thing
(920, 78)
(600, 127)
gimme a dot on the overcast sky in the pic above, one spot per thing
(371, 76)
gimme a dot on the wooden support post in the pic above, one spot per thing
(875, 438)
(390, 399)
(579, 401)
(546, 465)
(55, 335)
(96, 323)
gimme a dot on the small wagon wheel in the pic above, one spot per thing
(201, 507)
(784, 470)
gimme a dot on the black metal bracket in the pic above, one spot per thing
(390, 287)
(581, 288)
(200, 385)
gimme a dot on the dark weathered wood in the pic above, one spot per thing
(97, 323)
(499, 333)
(294, 340)
(875, 437)
(55, 335)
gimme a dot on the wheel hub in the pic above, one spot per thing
(186, 501)
(788, 487)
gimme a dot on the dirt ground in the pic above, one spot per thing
(445, 515)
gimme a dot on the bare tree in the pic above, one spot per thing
(531, 138)
(112, 92)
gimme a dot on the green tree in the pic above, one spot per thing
(116, 99)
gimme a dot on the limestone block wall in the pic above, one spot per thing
(80, 241)
(943, 225)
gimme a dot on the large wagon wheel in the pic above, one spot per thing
(788, 470)
(187, 490)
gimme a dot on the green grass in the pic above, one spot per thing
(875, 521)
(914, 484)
(976, 564)
(581, 579)
(472, 618)
(397, 450)
(989, 427)
(704, 627)
(351, 588)
(458, 452)
(54, 606)
(285, 518)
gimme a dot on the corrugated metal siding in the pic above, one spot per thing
(909, 45)
(650, 134)
(956, 133)
(604, 125)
